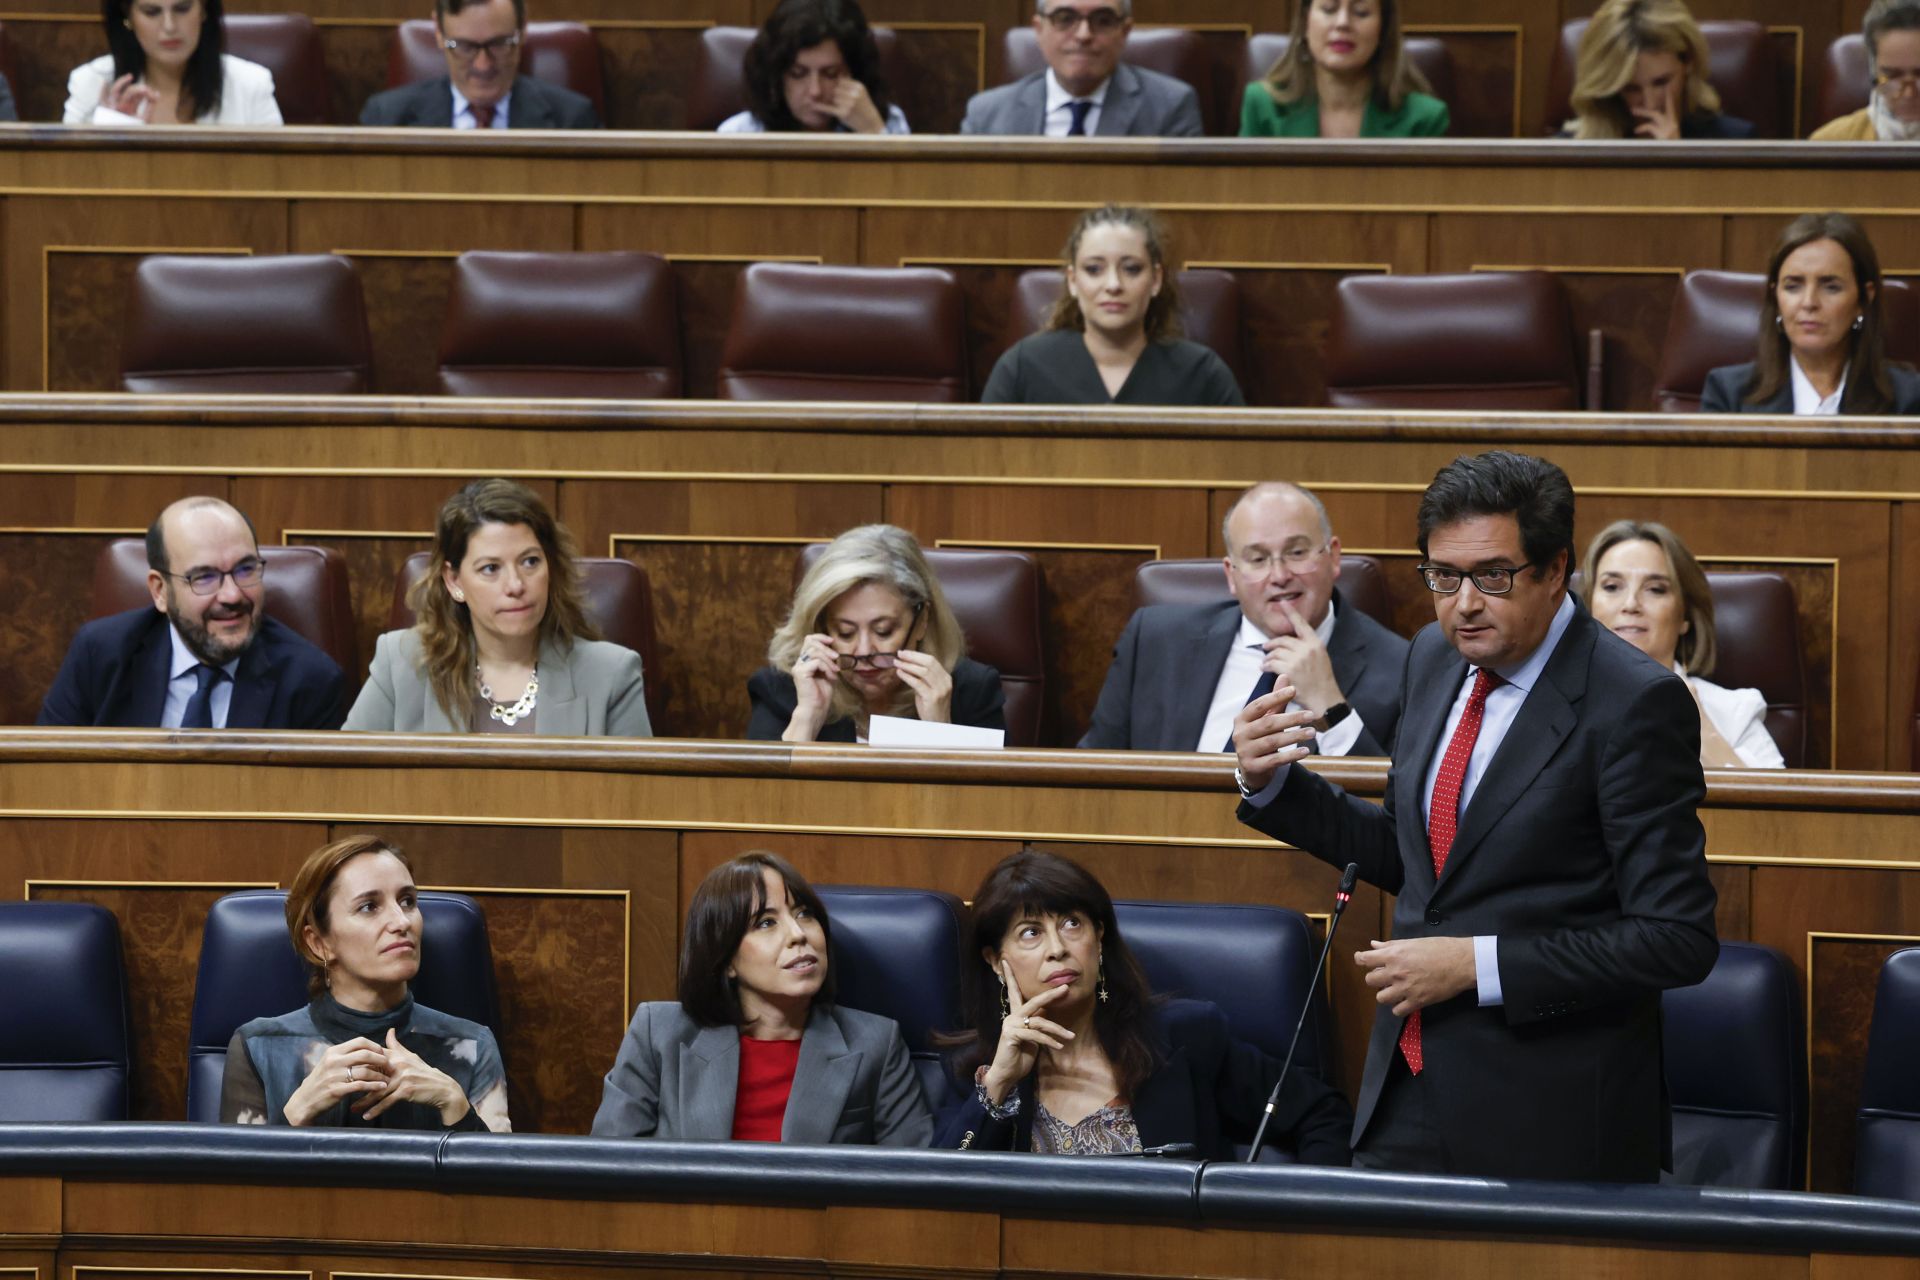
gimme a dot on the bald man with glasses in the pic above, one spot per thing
(1086, 90)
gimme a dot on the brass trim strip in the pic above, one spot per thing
(422, 536)
(396, 253)
(987, 544)
(1580, 270)
(1385, 268)
(615, 539)
(80, 1269)
(813, 258)
(62, 531)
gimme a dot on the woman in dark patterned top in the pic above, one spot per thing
(362, 1053)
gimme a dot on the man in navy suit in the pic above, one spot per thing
(206, 655)
(1541, 839)
(483, 87)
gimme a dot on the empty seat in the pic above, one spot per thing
(1846, 80)
(292, 325)
(995, 596)
(1486, 340)
(562, 53)
(249, 969)
(802, 332)
(307, 590)
(1741, 66)
(1362, 584)
(1887, 1128)
(562, 324)
(1757, 634)
(896, 952)
(1209, 310)
(619, 602)
(719, 85)
(1172, 51)
(287, 44)
(1735, 1053)
(63, 1013)
(1428, 53)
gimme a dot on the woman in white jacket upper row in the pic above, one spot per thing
(166, 67)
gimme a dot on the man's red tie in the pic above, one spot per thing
(482, 116)
(1443, 818)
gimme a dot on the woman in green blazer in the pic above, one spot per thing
(1345, 74)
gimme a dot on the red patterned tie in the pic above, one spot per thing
(482, 116)
(1443, 818)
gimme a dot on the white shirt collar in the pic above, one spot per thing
(1253, 637)
(1808, 401)
(183, 659)
(461, 107)
(1058, 97)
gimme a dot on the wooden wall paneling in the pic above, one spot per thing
(46, 46)
(647, 66)
(1750, 239)
(1903, 637)
(356, 54)
(1733, 914)
(1487, 77)
(1802, 31)
(1534, 28)
(1288, 312)
(943, 863)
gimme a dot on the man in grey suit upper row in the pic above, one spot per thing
(1086, 90)
(1181, 673)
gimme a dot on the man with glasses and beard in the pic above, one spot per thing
(1086, 90)
(206, 656)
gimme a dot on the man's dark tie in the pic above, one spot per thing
(1080, 109)
(200, 705)
(1261, 688)
(482, 116)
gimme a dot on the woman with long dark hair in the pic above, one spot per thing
(1345, 74)
(167, 65)
(814, 67)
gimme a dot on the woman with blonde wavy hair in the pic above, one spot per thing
(503, 609)
(1642, 73)
(870, 633)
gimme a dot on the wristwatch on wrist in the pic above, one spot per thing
(1333, 715)
(1240, 781)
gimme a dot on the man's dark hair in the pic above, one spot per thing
(441, 8)
(1535, 492)
(796, 26)
(157, 536)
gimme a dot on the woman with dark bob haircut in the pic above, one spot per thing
(362, 1054)
(166, 64)
(814, 68)
(1071, 1054)
(755, 1049)
(1822, 346)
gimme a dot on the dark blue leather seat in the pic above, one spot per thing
(63, 1013)
(248, 970)
(1887, 1134)
(896, 952)
(1735, 1050)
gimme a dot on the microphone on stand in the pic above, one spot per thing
(1340, 899)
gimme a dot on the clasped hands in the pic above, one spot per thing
(377, 1076)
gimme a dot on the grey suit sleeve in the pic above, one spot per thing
(900, 1114)
(1112, 727)
(627, 704)
(1184, 120)
(373, 709)
(630, 1097)
(970, 123)
(8, 111)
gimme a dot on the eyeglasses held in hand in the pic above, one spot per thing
(1103, 22)
(468, 50)
(205, 582)
(878, 661)
(1444, 581)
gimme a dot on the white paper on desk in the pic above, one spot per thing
(898, 731)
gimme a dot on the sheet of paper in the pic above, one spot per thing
(898, 731)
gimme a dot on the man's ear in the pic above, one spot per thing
(157, 588)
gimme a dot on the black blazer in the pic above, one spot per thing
(428, 104)
(115, 675)
(1209, 1089)
(977, 701)
(1725, 391)
(1054, 367)
(1715, 126)
(1581, 851)
(1168, 663)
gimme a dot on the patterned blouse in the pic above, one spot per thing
(1108, 1131)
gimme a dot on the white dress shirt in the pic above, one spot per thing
(463, 117)
(181, 683)
(1059, 117)
(1242, 671)
(1809, 402)
(1741, 717)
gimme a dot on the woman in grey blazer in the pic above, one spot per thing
(755, 1049)
(504, 612)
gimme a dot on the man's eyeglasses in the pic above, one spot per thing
(1102, 22)
(497, 48)
(1444, 581)
(1295, 558)
(204, 582)
(1897, 81)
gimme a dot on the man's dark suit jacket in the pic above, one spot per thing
(1581, 850)
(1725, 391)
(1168, 664)
(115, 675)
(978, 700)
(428, 104)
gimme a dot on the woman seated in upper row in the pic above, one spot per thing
(814, 67)
(1641, 73)
(869, 633)
(1892, 114)
(1114, 335)
(167, 66)
(1822, 343)
(501, 608)
(1345, 75)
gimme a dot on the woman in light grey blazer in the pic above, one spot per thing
(755, 1049)
(506, 612)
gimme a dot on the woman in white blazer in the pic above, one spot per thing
(503, 643)
(166, 65)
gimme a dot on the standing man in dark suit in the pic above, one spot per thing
(1540, 834)
(206, 655)
(483, 87)
(1086, 91)
(1181, 673)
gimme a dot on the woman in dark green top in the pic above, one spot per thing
(1345, 74)
(1114, 336)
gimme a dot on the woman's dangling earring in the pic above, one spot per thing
(1006, 1010)
(1779, 322)
(1100, 986)
(1859, 321)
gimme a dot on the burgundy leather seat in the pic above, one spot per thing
(1846, 80)
(1172, 51)
(562, 53)
(1362, 582)
(307, 590)
(287, 44)
(719, 85)
(1716, 321)
(803, 332)
(562, 324)
(619, 602)
(292, 325)
(1209, 310)
(1487, 340)
(1741, 65)
(1428, 53)
(995, 596)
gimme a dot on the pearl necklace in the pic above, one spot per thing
(511, 714)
